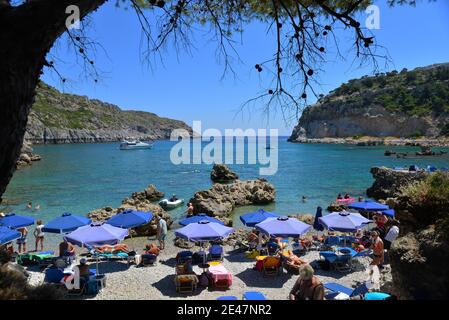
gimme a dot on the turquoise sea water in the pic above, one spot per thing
(81, 177)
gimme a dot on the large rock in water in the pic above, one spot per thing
(151, 193)
(135, 202)
(221, 173)
(419, 265)
(388, 182)
(221, 199)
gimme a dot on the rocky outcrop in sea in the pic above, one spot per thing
(221, 199)
(388, 182)
(221, 173)
(27, 157)
(138, 201)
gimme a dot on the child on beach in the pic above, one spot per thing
(22, 241)
(39, 235)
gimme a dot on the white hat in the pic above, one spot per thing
(2, 214)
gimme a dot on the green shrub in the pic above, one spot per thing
(428, 201)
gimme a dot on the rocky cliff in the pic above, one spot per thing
(396, 104)
(417, 257)
(66, 118)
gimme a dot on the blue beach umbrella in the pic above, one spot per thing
(368, 206)
(253, 218)
(14, 221)
(96, 234)
(197, 218)
(283, 227)
(7, 235)
(130, 219)
(204, 231)
(316, 223)
(389, 212)
(66, 223)
(343, 221)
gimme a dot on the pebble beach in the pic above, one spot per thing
(129, 282)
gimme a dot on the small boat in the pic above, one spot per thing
(167, 204)
(134, 144)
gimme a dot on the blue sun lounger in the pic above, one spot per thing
(227, 298)
(336, 288)
(216, 252)
(254, 295)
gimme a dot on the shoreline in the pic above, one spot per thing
(375, 141)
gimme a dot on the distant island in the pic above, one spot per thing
(394, 108)
(57, 117)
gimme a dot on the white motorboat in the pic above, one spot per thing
(167, 204)
(134, 144)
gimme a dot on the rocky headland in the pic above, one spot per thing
(57, 117)
(395, 108)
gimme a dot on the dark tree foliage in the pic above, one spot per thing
(304, 30)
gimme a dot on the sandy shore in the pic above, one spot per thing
(128, 282)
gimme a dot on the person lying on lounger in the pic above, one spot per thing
(121, 247)
(293, 259)
(152, 249)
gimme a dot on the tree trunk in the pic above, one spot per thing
(27, 33)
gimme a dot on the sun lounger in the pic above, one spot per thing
(332, 241)
(199, 257)
(183, 257)
(221, 277)
(336, 289)
(53, 275)
(340, 261)
(149, 259)
(216, 252)
(272, 248)
(253, 295)
(43, 258)
(227, 298)
(245, 245)
(186, 283)
(271, 266)
(109, 256)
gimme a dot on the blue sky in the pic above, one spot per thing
(188, 86)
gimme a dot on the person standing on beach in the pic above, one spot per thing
(161, 232)
(39, 235)
(22, 241)
(392, 234)
(378, 249)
